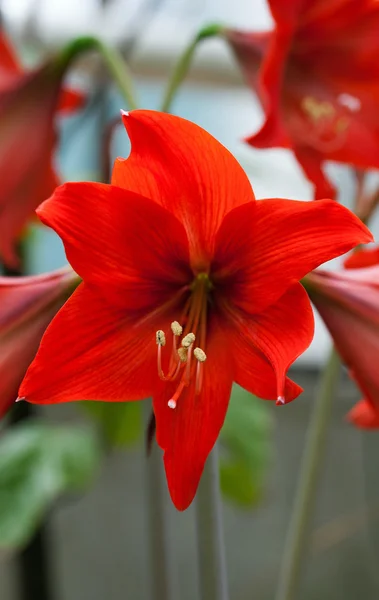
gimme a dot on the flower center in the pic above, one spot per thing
(187, 359)
(328, 127)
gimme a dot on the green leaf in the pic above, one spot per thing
(121, 422)
(245, 448)
(39, 462)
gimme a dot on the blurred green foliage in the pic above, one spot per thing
(38, 462)
(245, 448)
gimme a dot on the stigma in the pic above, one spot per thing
(186, 362)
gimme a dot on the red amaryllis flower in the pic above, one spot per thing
(319, 82)
(364, 257)
(348, 303)
(27, 305)
(188, 285)
(29, 102)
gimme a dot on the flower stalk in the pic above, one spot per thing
(182, 66)
(161, 575)
(210, 534)
(295, 545)
(113, 60)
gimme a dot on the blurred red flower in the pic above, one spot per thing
(29, 101)
(364, 257)
(27, 305)
(318, 83)
(178, 243)
(348, 303)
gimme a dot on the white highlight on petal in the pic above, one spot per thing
(351, 102)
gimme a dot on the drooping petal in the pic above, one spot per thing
(364, 415)
(184, 169)
(132, 249)
(93, 351)
(281, 333)
(188, 433)
(262, 248)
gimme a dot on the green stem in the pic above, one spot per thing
(113, 60)
(181, 68)
(161, 565)
(295, 546)
(210, 534)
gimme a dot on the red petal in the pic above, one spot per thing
(93, 351)
(311, 163)
(368, 257)
(9, 64)
(287, 14)
(167, 164)
(262, 248)
(364, 415)
(27, 305)
(281, 333)
(188, 433)
(134, 250)
(252, 370)
(26, 196)
(70, 100)
(348, 303)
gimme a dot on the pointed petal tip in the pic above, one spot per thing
(20, 399)
(280, 401)
(124, 113)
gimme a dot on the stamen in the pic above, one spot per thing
(160, 338)
(280, 401)
(200, 354)
(171, 403)
(176, 328)
(187, 376)
(182, 353)
(188, 340)
(199, 378)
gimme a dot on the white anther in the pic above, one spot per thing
(188, 340)
(171, 403)
(160, 338)
(351, 102)
(176, 328)
(182, 353)
(200, 354)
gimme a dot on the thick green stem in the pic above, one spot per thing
(297, 536)
(184, 63)
(210, 534)
(113, 60)
(161, 565)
